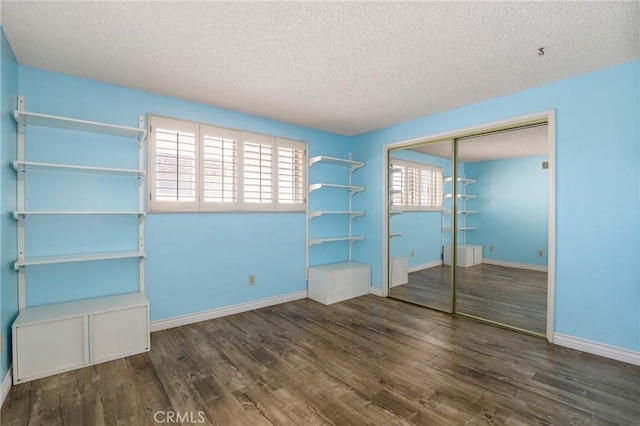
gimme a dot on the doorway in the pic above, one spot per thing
(470, 226)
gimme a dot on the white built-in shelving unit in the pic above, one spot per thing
(467, 255)
(334, 282)
(54, 338)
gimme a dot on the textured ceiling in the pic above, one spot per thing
(344, 67)
(524, 142)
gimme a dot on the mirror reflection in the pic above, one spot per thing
(503, 196)
(418, 229)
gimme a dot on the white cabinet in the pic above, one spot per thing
(399, 271)
(114, 333)
(49, 347)
(338, 281)
(55, 338)
(468, 255)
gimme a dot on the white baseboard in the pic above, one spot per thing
(528, 266)
(178, 321)
(375, 291)
(427, 265)
(613, 352)
(6, 386)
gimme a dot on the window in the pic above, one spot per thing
(415, 186)
(195, 167)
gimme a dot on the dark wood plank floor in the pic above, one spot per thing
(510, 296)
(364, 361)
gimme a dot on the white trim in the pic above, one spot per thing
(181, 320)
(518, 265)
(551, 227)
(549, 117)
(608, 351)
(6, 386)
(376, 291)
(420, 267)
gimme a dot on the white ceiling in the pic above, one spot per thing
(524, 142)
(344, 67)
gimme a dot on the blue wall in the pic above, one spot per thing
(8, 250)
(512, 207)
(597, 245)
(194, 262)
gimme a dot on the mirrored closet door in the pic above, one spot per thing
(493, 191)
(418, 227)
(502, 183)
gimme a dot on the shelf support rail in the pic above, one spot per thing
(22, 296)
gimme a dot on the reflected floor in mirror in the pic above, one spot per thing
(509, 296)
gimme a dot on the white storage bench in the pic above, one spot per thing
(55, 338)
(336, 282)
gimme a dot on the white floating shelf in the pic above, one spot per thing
(352, 189)
(47, 260)
(463, 180)
(465, 196)
(448, 212)
(466, 228)
(23, 166)
(314, 241)
(395, 234)
(36, 119)
(353, 165)
(394, 213)
(17, 214)
(322, 213)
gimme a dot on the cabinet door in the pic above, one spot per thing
(118, 333)
(55, 346)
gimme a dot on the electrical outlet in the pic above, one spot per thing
(490, 248)
(540, 253)
(252, 279)
(413, 253)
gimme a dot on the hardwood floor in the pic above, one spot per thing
(364, 361)
(510, 296)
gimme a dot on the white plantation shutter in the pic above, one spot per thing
(431, 188)
(420, 186)
(398, 179)
(413, 187)
(258, 170)
(291, 174)
(196, 167)
(220, 169)
(173, 165)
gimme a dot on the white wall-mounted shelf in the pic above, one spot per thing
(24, 166)
(351, 188)
(448, 212)
(72, 334)
(462, 180)
(36, 119)
(353, 165)
(21, 214)
(349, 238)
(84, 257)
(463, 196)
(395, 234)
(322, 213)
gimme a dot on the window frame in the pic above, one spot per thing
(240, 137)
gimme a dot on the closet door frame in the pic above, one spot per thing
(547, 116)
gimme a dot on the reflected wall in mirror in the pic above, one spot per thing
(419, 225)
(502, 228)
